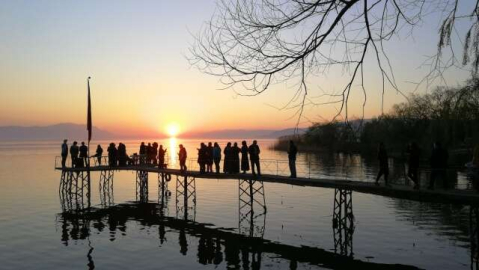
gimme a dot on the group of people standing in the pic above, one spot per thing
(152, 154)
(79, 154)
(211, 154)
(438, 162)
(117, 156)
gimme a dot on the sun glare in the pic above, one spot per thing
(173, 129)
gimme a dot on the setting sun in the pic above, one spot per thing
(173, 129)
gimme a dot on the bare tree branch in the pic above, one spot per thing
(255, 44)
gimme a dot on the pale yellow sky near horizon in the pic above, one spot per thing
(141, 79)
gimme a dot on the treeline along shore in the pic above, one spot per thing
(446, 115)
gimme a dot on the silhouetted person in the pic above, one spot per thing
(154, 152)
(439, 157)
(84, 154)
(149, 153)
(161, 157)
(135, 159)
(182, 156)
(292, 151)
(122, 156)
(227, 161)
(112, 155)
(209, 158)
(99, 154)
(64, 153)
(383, 164)
(202, 152)
(217, 156)
(74, 151)
(235, 159)
(142, 153)
(244, 157)
(254, 152)
(413, 164)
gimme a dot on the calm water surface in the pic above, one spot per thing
(296, 232)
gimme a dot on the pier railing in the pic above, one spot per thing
(268, 166)
(304, 169)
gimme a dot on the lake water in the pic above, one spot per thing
(296, 231)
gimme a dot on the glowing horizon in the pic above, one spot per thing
(142, 82)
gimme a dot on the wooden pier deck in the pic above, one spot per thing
(453, 196)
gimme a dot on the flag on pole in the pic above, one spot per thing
(88, 120)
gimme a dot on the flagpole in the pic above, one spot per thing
(89, 128)
(88, 122)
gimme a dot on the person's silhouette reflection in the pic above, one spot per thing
(218, 254)
(232, 253)
(183, 243)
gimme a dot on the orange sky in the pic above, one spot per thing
(141, 79)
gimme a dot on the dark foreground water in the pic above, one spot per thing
(296, 231)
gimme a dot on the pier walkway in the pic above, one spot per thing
(466, 197)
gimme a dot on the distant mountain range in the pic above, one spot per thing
(244, 133)
(78, 132)
(55, 132)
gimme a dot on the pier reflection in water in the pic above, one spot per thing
(243, 247)
(212, 245)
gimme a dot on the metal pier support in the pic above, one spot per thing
(75, 190)
(186, 197)
(106, 188)
(142, 186)
(66, 198)
(474, 232)
(251, 199)
(343, 222)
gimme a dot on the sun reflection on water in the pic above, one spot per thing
(173, 151)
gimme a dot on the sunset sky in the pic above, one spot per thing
(136, 53)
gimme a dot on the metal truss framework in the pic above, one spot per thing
(106, 188)
(186, 197)
(142, 186)
(474, 232)
(251, 198)
(75, 190)
(343, 222)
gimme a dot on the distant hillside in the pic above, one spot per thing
(79, 133)
(54, 132)
(244, 133)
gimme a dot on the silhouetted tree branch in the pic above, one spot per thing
(259, 43)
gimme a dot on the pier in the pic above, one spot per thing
(75, 193)
(76, 181)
